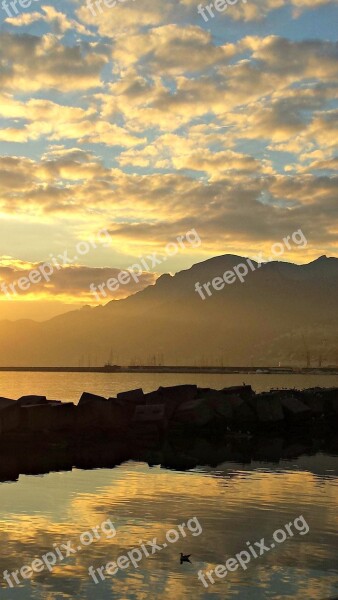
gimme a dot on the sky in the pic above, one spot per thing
(125, 127)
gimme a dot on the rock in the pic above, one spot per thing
(313, 401)
(178, 393)
(268, 408)
(220, 404)
(153, 398)
(87, 397)
(131, 396)
(11, 418)
(294, 409)
(63, 417)
(329, 397)
(5, 402)
(36, 417)
(194, 412)
(31, 400)
(152, 413)
(236, 408)
(201, 392)
(244, 415)
(127, 409)
(91, 412)
(47, 417)
(243, 391)
(102, 414)
(146, 434)
(171, 397)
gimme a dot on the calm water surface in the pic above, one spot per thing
(69, 386)
(234, 503)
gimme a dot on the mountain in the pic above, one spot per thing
(278, 313)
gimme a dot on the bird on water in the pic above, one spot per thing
(185, 558)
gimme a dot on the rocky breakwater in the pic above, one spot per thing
(177, 410)
(179, 427)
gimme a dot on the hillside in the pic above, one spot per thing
(279, 310)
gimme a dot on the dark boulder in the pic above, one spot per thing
(268, 408)
(329, 397)
(87, 397)
(157, 399)
(63, 417)
(153, 398)
(31, 400)
(5, 402)
(220, 404)
(102, 414)
(36, 417)
(294, 409)
(171, 397)
(313, 401)
(150, 413)
(195, 413)
(131, 395)
(11, 418)
(178, 393)
(243, 414)
(51, 416)
(243, 391)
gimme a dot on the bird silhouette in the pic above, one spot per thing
(185, 558)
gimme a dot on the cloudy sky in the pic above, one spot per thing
(148, 120)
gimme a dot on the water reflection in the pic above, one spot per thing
(233, 503)
(21, 455)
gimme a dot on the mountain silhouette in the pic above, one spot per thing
(279, 313)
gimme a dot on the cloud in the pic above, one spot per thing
(274, 69)
(318, 137)
(259, 9)
(44, 118)
(290, 59)
(191, 153)
(125, 18)
(172, 50)
(70, 283)
(129, 16)
(30, 63)
(60, 22)
(241, 210)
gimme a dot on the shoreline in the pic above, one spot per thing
(178, 370)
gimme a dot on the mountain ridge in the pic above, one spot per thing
(265, 318)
